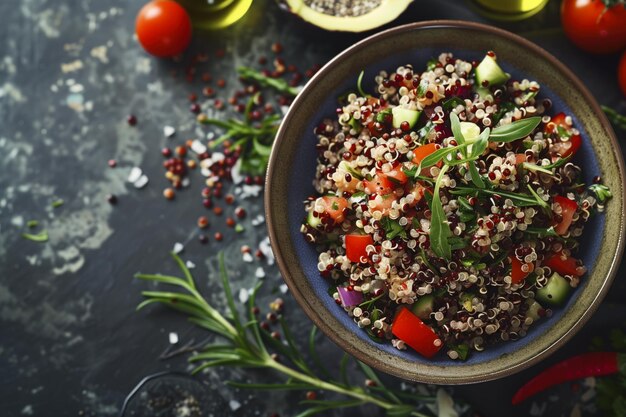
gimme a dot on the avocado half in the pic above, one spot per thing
(347, 15)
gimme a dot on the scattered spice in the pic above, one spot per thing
(169, 193)
(57, 203)
(218, 236)
(131, 120)
(203, 222)
(112, 163)
(112, 199)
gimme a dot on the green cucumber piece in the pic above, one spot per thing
(555, 291)
(312, 220)
(423, 306)
(348, 168)
(466, 301)
(489, 70)
(401, 114)
(533, 310)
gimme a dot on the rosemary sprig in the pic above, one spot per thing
(246, 345)
(277, 84)
(618, 120)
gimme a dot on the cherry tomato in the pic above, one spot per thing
(594, 27)
(568, 208)
(564, 265)
(356, 246)
(335, 207)
(163, 28)
(556, 126)
(517, 274)
(621, 73)
(414, 332)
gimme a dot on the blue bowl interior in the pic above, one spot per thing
(301, 187)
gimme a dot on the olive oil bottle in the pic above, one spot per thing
(215, 14)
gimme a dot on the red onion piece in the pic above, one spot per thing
(349, 298)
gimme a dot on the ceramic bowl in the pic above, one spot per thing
(292, 167)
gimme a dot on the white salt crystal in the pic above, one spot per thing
(169, 131)
(178, 247)
(173, 338)
(134, 174)
(141, 182)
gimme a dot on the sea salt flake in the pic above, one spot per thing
(244, 295)
(169, 131)
(134, 174)
(173, 337)
(259, 273)
(198, 147)
(190, 265)
(178, 247)
(283, 288)
(234, 405)
(247, 257)
(141, 182)
(185, 182)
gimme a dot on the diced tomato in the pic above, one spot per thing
(568, 208)
(564, 265)
(335, 207)
(562, 148)
(356, 246)
(517, 274)
(397, 175)
(418, 193)
(520, 158)
(411, 330)
(423, 151)
(380, 185)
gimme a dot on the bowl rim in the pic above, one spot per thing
(326, 328)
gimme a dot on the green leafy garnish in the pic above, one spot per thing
(277, 84)
(618, 120)
(392, 228)
(359, 88)
(32, 223)
(439, 229)
(243, 343)
(39, 237)
(57, 203)
(542, 232)
(517, 130)
(602, 192)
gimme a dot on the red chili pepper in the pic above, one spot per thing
(576, 367)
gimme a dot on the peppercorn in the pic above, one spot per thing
(218, 236)
(169, 193)
(203, 222)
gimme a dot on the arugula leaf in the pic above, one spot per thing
(392, 228)
(439, 229)
(517, 130)
(602, 192)
(542, 232)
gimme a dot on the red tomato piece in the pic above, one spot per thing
(163, 28)
(414, 332)
(517, 274)
(564, 148)
(380, 185)
(568, 208)
(335, 207)
(593, 26)
(423, 151)
(356, 246)
(564, 265)
(397, 175)
(381, 203)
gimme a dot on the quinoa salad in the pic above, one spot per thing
(449, 206)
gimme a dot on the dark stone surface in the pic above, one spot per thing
(70, 74)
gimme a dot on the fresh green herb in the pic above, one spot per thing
(559, 163)
(239, 228)
(431, 64)
(255, 140)
(359, 88)
(462, 350)
(542, 232)
(519, 129)
(602, 192)
(563, 133)
(504, 109)
(540, 201)
(277, 84)
(392, 228)
(457, 242)
(452, 103)
(618, 120)
(39, 237)
(246, 345)
(57, 203)
(536, 168)
(32, 223)
(518, 199)
(439, 229)
(382, 116)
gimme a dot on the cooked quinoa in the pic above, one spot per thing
(471, 260)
